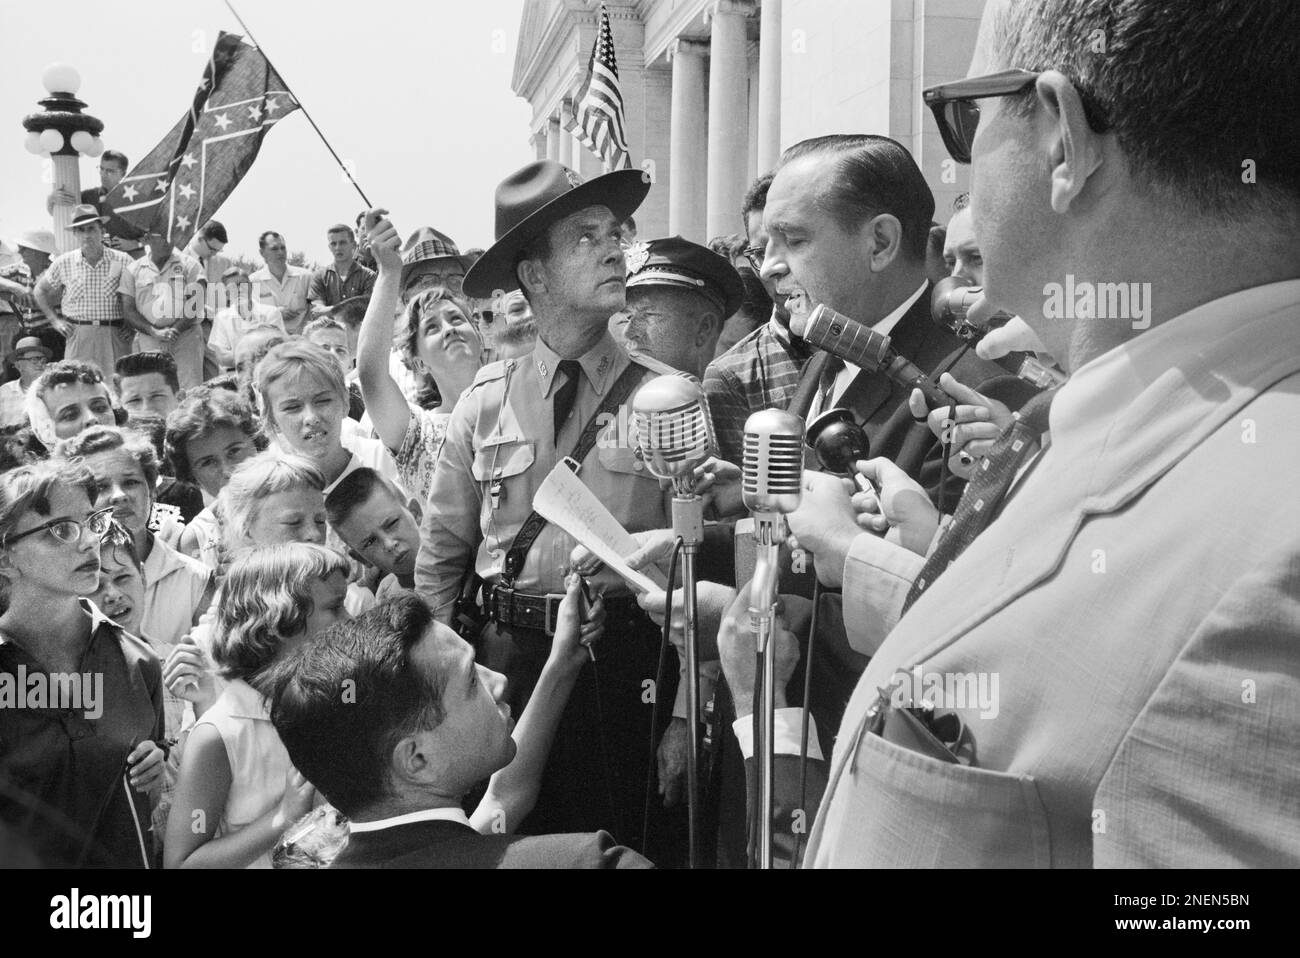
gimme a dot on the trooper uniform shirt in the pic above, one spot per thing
(501, 446)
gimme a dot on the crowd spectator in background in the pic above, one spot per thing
(163, 296)
(281, 284)
(118, 233)
(30, 356)
(241, 314)
(344, 277)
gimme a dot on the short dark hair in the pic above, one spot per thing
(342, 228)
(115, 156)
(141, 364)
(961, 202)
(344, 744)
(213, 230)
(65, 372)
(199, 415)
(1184, 94)
(265, 237)
(353, 491)
(755, 198)
(873, 175)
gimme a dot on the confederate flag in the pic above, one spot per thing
(181, 184)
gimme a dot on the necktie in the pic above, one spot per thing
(986, 490)
(567, 391)
(826, 387)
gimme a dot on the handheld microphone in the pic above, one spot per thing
(772, 477)
(863, 346)
(950, 303)
(673, 429)
(839, 442)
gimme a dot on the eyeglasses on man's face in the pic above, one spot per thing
(957, 111)
(69, 530)
(754, 256)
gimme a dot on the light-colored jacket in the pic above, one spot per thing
(1135, 611)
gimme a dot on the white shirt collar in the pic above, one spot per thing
(845, 377)
(428, 815)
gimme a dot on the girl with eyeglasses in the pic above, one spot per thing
(83, 699)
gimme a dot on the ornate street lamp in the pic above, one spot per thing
(62, 132)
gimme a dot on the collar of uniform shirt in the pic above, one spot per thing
(452, 814)
(886, 326)
(597, 362)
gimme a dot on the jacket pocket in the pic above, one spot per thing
(904, 809)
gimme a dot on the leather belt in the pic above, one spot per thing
(94, 322)
(523, 610)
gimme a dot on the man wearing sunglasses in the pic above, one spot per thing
(1138, 593)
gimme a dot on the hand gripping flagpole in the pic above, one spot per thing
(302, 106)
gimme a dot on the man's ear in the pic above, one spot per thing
(532, 275)
(883, 236)
(710, 327)
(1075, 151)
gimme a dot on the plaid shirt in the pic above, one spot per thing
(761, 371)
(89, 292)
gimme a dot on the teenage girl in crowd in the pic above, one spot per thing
(76, 777)
(440, 341)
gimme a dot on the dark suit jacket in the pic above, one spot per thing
(443, 844)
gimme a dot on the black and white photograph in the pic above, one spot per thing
(674, 435)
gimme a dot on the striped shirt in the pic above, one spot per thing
(761, 371)
(89, 292)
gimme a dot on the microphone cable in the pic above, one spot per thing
(665, 639)
(803, 725)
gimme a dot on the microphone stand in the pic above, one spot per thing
(769, 531)
(688, 526)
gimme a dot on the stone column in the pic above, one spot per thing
(553, 133)
(769, 86)
(728, 115)
(568, 145)
(687, 140)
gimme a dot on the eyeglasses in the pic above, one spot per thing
(754, 256)
(957, 113)
(69, 530)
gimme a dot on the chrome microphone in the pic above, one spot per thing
(772, 477)
(674, 433)
(863, 346)
(673, 429)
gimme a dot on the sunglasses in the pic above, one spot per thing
(957, 111)
(69, 530)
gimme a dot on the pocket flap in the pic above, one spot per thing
(502, 460)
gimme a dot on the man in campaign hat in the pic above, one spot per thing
(559, 240)
(88, 278)
(679, 295)
(431, 258)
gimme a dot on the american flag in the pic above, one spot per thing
(598, 120)
(181, 184)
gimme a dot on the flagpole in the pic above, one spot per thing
(302, 106)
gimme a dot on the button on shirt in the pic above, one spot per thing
(500, 448)
(330, 289)
(89, 291)
(164, 295)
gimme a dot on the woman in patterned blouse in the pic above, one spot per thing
(439, 340)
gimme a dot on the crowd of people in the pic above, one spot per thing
(274, 592)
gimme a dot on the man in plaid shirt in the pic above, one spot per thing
(763, 369)
(88, 278)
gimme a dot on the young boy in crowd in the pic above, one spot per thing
(371, 515)
(147, 384)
